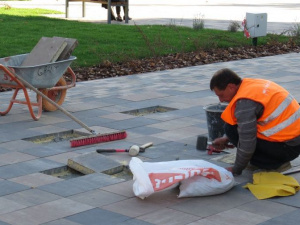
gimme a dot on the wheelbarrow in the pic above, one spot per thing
(47, 78)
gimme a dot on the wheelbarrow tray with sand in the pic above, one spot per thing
(47, 78)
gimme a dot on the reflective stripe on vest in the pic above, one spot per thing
(282, 125)
(278, 111)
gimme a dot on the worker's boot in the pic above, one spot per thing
(284, 167)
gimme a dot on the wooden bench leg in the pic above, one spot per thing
(67, 8)
(109, 12)
(126, 12)
(83, 8)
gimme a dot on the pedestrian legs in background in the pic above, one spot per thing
(113, 16)
(118, 10)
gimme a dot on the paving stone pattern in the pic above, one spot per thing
(28, 196)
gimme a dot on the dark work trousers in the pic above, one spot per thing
(267, 155)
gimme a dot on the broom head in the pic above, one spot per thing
(99, 138)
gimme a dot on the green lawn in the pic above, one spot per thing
(21, 29)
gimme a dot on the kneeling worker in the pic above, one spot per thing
(262, 120)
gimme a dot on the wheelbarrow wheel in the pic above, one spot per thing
(57, 96)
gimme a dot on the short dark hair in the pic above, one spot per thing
(224, 77)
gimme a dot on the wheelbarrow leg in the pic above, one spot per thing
(27, 102)
(30, 104)
(10, 103)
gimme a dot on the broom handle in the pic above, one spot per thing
(53, 103)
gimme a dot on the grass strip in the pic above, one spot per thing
(21, 29)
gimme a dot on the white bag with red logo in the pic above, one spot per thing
(197, 177)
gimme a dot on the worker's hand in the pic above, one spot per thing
(220, 143)
(229, 169)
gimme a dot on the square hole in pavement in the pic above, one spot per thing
(63, 172)
(56, 137)
(125, 173)
(149, 110)
(66, 172)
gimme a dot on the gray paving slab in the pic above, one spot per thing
(94, 163)
(28, 167)
(3, 223)
(61, 222)
(14, 157)
(235, 217)
(210, 205)
(289, 200)
(287, 219)
(171, 149)
(97, 198)
(123, 188)
(8, 187)
(147, 130)
(80, 184)
(169, 216)
(34, 180)
(45, 212)
(133, 207)
(97, 217)
(134, 222)
(17, 145)
(146, 138)
(8, 136)
(63, 157)
(266, 208)
(32, 197)
(47, 129)
(7, 206)
(52, 119)
(130, 123)
(70, 125)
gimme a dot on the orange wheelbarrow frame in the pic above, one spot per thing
(18, 85)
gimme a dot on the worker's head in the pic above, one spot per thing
(225, 83)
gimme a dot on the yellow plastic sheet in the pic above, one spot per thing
(272, 184)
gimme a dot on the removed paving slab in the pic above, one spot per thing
(95, 163)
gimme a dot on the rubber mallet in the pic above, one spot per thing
(133, 150)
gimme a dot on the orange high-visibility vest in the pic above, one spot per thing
(280, 120)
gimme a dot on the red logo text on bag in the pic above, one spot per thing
(161, 181)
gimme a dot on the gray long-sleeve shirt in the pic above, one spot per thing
(247, 113)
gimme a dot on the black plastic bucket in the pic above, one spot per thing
(215, 124)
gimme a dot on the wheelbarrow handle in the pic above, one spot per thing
(27, 84)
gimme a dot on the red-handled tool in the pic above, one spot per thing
(211, 149)
(133, 150)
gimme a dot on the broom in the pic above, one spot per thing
(94, 139)
(99, 138)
